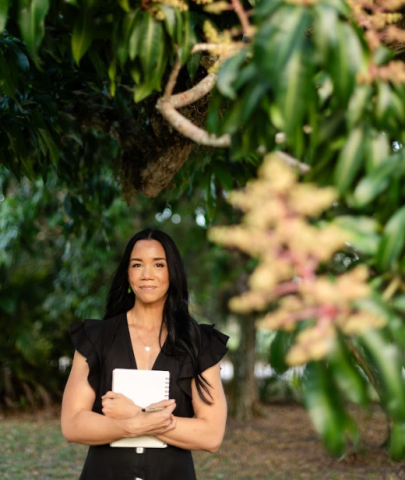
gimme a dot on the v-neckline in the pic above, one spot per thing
(132, 348)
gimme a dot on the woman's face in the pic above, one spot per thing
(148, 274)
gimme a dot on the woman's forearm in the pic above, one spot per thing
(90, 428)
(194, 434)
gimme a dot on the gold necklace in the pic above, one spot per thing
(147, 347)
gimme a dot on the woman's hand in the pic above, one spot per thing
(153, 423)
(117, 405)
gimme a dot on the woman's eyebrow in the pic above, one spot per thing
(140, 259)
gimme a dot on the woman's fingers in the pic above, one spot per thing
(165, 427)
(111, 395)
(162, 403)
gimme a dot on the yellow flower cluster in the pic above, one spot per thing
(180, 5)
(275, 229)
(378, 18)
(215, 7)
(393, 72)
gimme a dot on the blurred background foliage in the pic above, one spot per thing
(322, 82)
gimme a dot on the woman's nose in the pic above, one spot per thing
(147, 272)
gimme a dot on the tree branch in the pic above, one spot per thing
(194, 94)
(243, 17)
(168, 104)
(293, 162)
(171, 83)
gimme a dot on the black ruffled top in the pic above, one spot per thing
(107, 345)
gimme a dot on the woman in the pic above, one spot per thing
(147, 325)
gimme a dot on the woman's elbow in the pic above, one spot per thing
(67, 432)
(213, 448)
(214, 444)
(68, 429)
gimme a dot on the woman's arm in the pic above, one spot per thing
(206, 430)
(81, 425)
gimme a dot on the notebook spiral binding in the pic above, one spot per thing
(167, 389)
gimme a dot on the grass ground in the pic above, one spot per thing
(281, 446)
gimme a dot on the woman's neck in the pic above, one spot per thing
(148, 316)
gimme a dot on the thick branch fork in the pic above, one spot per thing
(168, 105)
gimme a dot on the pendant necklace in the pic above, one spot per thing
(146, 347)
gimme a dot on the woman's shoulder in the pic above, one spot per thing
(213, 345)
(94, 330)
(209, 334)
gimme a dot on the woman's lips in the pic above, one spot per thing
(147, 287)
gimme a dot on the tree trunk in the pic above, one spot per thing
(244, 394)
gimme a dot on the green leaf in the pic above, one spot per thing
(134, 42)
(358, 104)
(347, 376)
(193, 63)
(388, 362)
(325, 36)
(397, 441)
(279, 39)
(383, 103)
(375, 183)
(363, 232)
(52, 148)
(136, 73)
(20, 58)
(125, 5)
(82, 35)
(293, 96)
(379, 150)
(340, 6)
(349, 160)
(265, 9)
(112, 73)
(279, 347)
(382, 55)
(170, 19)
(346, 61)
(151, 41)
(392, 242)
(399, 303)
(187, 39)
(397, 109)
(326, 409)
(378, 307)
(160, 67)
(31, 19)
(229, 72)
(4, 6)
(142, 91)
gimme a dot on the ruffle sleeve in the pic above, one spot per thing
(86, 338)
(213, 349)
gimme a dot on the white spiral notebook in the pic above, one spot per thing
(143, 387)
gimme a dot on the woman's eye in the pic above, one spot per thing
(160, 265)
(135, 265)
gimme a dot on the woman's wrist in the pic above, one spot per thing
(131, 425)
(128, 426)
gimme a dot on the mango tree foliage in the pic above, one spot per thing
(329, 96)
(321, 82)
(68, 69)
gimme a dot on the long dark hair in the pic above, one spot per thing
(183, 332)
